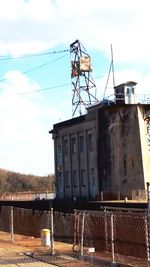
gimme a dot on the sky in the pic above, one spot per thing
(35, 82)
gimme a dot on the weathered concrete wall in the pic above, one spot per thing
(144, 144)
(77, 162)
(120, 161)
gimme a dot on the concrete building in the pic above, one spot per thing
(106, 150)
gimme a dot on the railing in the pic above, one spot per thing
(133, 195)
(29, 195)
(138, 99)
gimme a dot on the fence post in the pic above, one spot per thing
(82, 234)
(52, 232)
(106, 229)
(146, 236)
(12, 223)
(148, 222)
(112, 238)
(75, 231)
(148, 197)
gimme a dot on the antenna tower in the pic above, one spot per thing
(83, 86)
(111, 68)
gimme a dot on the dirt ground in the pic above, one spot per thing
(22, 251)
(28, 252)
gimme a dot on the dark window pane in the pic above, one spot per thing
(81, 143)
(132, 89)
(66, 147)
(73, 145)
(92, 174)
(90, 142)
(67, 180)
(58, 153)
(74, 176)
(83, 177)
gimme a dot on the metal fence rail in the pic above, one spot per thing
(115, 236)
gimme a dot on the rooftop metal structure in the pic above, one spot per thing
(83, 85)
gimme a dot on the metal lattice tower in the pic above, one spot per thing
(83, 86)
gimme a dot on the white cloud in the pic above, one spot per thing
(16, 82)
(35, 25)
(26, 145)
(32, 9)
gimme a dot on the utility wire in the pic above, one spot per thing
(37, 67)
(43, 65)
(34, 55)
(38, 90)
(35, 91)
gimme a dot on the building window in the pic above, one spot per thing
(66, 147)
(73, 145)
(83, 177)
(60, 185)
(81, 143)
(58, 153)
(130, 90)
(74, 177)
(92, 174)
(90, 142)
(67, 180)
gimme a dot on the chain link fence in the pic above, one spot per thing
(116, 236)
(111, 236)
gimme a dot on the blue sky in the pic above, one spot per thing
(38, 26)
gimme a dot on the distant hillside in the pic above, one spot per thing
(17, 182)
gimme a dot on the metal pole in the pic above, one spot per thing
(106, 229)
(148, 197)
(147, 222)
(75, 231)
(147, 238)
(112, 239)
(12, 223)
(112, 62)
(82, 234)
(52, 232)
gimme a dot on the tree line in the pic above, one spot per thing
(16, 182)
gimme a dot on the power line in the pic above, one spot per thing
(34, 55)
(38, 90)
(43, 65)
(37, 67)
